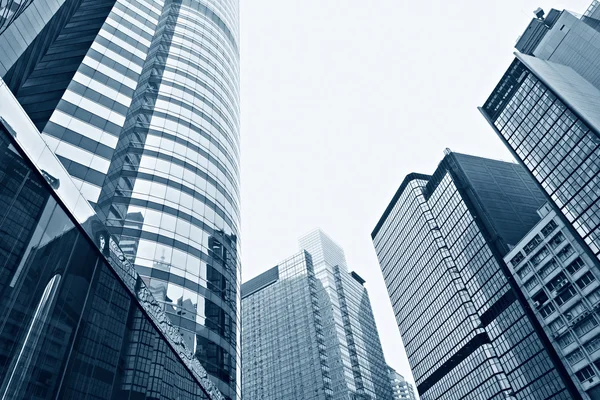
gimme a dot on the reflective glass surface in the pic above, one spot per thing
(466, 333)
(71, 328)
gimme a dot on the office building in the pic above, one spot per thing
(466, 326)
(401, 388)
(78, 322)
(283, 346)
(309, 331)
(560, 283)
(546, 111)
(357, 363)
(139, 100)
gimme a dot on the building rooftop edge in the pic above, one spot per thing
(410, 177)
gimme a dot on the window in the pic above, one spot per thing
(548, 268)
(557, 282)
(556, 325)
(547, 310)
(575, 311)
(517, 259)
(575, 357)
(548, 229)
(585, 326)
(585, 374)
(592, 345)
(566, 295)
(533, 243)
(585, 280)
(575, 266)
(524, 271)
(557, 240)
(565, 340)
(540, 256)
(565, 252)
(594, 297)
(530, 284)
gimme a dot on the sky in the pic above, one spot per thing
(342, 99)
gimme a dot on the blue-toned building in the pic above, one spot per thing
(468, 331)
(78, 321)
(139, 101)
(546, 110)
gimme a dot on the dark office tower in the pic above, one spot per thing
(466, 326)
(139, 100)
(546, 110)
(283, 346)
(77, 322)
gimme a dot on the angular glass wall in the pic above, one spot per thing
(70, 327)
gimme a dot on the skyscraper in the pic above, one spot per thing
(357, 363)
(78, 321)
(283, 346)
(402, 389)
(466, 326)
(560, 281)
(139, 100)
(546, 111)
(309, 332)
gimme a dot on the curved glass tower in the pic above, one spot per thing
(171, 194)
(139, 100)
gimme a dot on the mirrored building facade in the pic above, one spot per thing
(466, 327)
(78, 322)
(139, 100)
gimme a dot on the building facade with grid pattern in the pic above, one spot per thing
(561, 285)
(466, 327)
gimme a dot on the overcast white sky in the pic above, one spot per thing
(342, 99)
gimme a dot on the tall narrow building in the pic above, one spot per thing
(139, 100)
(466, 326)
(546, 111)
(309, 331)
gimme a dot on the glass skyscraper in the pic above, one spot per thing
(139, 100)
(283, 345)
(466, 327)
(545, 109)
(357, 363)
(78, 322)
(309, 331)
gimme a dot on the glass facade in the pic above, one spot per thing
(402, 389)
(139, 100)
(309, 332)
(468, 333)
(283, 345)
(77, 321)
(561, 285)
(556, 145)
(357, 363)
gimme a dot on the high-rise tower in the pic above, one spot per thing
(309, 331)
(139, 99)
(467, 329)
